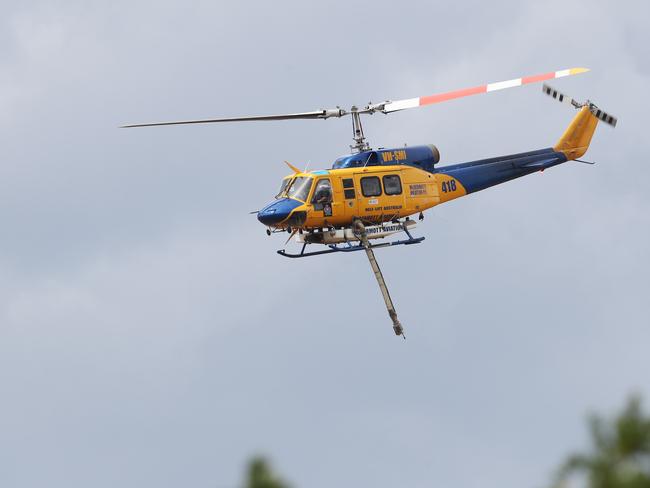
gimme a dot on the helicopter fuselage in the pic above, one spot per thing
(335, 198)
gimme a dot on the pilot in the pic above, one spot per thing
(324, 195)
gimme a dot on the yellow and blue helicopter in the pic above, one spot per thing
(372, 194)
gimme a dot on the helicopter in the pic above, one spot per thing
(371, 194)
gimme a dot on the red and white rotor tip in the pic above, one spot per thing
(393, 106)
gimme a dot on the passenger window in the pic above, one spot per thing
(370, 186)
(392, 185)
(348, 188)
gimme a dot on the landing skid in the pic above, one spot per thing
(348, 247)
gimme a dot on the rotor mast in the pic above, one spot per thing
(360, 142)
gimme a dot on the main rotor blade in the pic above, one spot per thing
(394, 106)
(317, 114)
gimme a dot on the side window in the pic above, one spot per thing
(370, 186)
(323, 192)
(392, 185)
(322, 198)
(348, 188)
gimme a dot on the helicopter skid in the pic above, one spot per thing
(348, 247)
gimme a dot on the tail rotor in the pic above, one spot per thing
(597, 112)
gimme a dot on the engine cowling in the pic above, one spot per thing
(425, 156)
(435, 152)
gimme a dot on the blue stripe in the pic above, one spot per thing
(484, 173)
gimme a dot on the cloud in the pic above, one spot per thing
(150, 335)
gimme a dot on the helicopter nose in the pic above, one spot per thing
(278, 211)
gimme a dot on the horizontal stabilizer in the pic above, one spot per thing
(538, 164)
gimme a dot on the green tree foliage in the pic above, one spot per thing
(260, 475)
(620, 453)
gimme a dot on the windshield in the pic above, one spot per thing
(283, 187)
(299, 188)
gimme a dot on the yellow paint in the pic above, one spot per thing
(576, 138)
(293, 168)
(420, 191)
(390, 156)
(577, 71)
(449, 187)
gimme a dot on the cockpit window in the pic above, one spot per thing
(283, 187)
(323, 192)
(299, 188)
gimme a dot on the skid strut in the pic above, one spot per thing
(360, 230)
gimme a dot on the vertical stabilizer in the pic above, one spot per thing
(576, 138)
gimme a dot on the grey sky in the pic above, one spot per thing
(149, 334)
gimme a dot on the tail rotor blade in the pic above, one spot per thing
(560, 97)
(598, 113)
(604, 116)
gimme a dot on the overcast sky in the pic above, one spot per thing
(151, 337)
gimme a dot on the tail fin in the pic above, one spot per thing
(576, 138)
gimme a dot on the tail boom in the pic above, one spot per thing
(478, 175)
